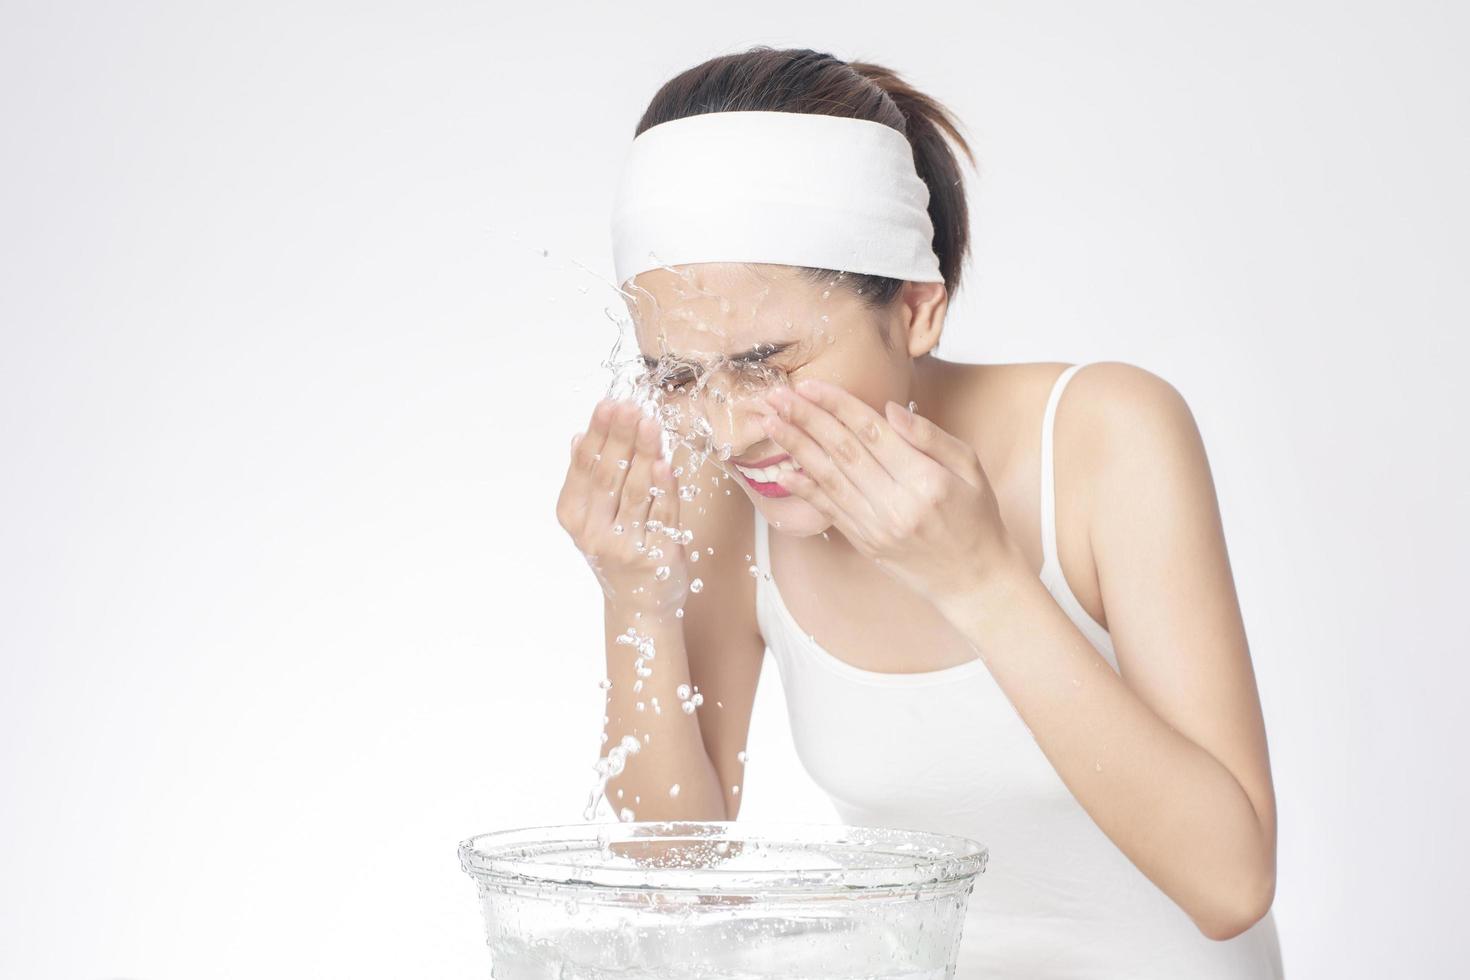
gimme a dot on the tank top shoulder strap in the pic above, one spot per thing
(1048, 471)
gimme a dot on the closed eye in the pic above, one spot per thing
(680, 377)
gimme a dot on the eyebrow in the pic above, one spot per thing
(754, 355)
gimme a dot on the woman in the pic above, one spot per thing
(1007, 615)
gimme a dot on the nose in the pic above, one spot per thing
(734, 420)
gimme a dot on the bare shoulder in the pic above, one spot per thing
(1118, 429)
(1128, 439)
(1125, 420)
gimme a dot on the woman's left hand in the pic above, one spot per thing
(902, 490)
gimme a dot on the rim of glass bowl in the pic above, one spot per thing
(909, 859)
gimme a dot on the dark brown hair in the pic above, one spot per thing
(803, 80)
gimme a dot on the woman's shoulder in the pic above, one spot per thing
(1117, 411)
(1112, 422)
(1103, 402)
(1012, 380)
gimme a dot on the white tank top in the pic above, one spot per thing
(945, 751)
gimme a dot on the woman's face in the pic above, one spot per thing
(715, 336)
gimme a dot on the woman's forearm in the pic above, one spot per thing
(671, 748)
(1177, 813)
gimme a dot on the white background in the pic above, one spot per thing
(285, 396)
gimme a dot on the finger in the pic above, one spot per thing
(665, 507)
(844, 447)
(873, 430)
(809, 490)
(633, 510)
(610, 471)
(820, 471)
(947, 450)
(573, 500)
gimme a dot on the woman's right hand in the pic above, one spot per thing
(606, 508)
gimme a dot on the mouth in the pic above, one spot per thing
(766, 478)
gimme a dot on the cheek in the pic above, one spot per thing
(868, 374)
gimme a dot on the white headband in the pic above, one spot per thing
(788, 188)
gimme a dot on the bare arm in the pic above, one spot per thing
(1170, 757)
(687, 766)
(670, 777)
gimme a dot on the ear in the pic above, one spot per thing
(924, 305)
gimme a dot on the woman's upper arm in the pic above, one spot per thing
(1163, 569)
(721, 636)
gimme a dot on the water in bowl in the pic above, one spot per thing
(722, 901)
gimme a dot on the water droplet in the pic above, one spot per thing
(661, 573)
(1097, 766)
(697, 700)
(674, 790)
(625, 815)
(741, 756)
(617, 529)
(913, 406)
(735, 790)
(754, 571)
(694, 555)
(696, 585)
(688, 707)
(605, 683)
(629, 744)
(622, 464)
(683, 691)
(638, 706)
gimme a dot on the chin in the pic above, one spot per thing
(798, 518)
